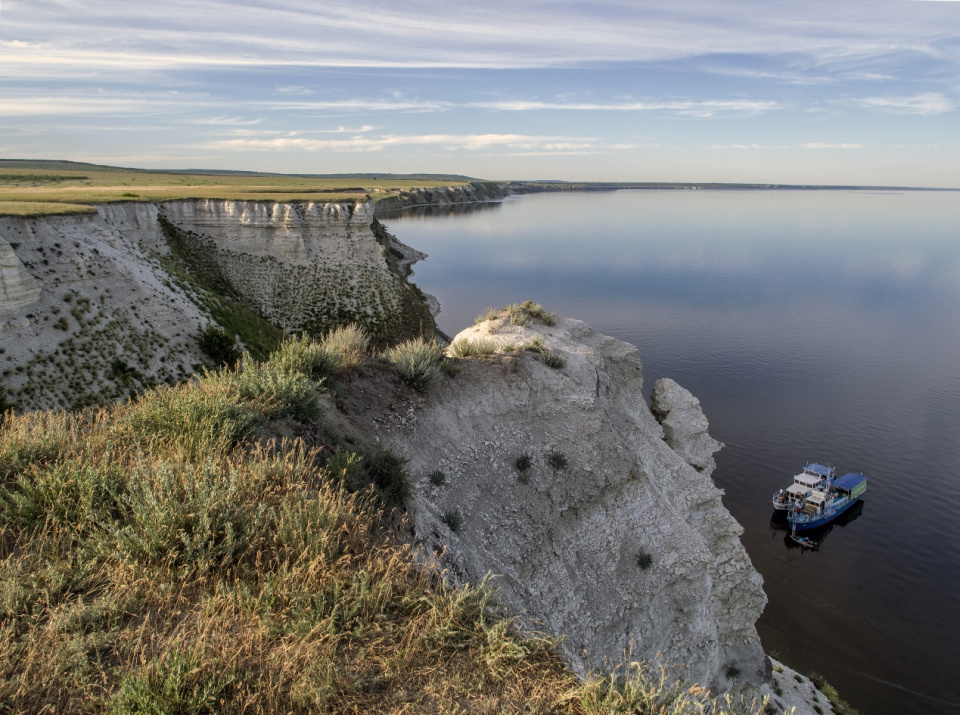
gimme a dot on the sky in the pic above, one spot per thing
(807, 91)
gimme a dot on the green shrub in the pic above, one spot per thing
(733, 672)
(195, 517)
(279, 392)
(417, 361)
(552, 359)
(303, 355)
(523, 463)
(536, 310)
(465, 347)
(557, 460)
(204, 416)
(450, 367)
(454, 520)
(517, 315)
(438, 478)
(176, 683)
(644, 559)
(218, 345)
(388, 471)
(346, 346)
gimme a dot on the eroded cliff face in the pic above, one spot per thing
(89, 311)
(626, 551)
(306, 267)
(475, 192)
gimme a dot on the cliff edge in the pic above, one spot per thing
(558, 481)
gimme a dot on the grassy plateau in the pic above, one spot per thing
(37, 188)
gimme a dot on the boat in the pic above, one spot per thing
(814, 476)
(820, 507)
(804, 541)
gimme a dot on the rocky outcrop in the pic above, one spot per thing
(609, 538)
(685, 428)
(477, 191)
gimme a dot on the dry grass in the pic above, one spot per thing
(155, 557)
(24, 192)
(40, 208)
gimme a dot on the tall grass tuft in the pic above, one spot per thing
(418, 362)
(465, 347)
(346, 346)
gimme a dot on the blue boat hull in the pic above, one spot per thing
(798, 523)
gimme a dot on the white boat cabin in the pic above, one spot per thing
(815, 503)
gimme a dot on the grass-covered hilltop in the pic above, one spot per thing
(242, 471)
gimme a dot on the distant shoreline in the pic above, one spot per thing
(535, 187)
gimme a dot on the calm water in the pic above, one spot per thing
(812, 326)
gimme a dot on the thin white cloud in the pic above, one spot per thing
(821, 145)
(925, 103)
(124, 36)
(704, 108)
(449, 142)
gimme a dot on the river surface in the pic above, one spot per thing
(812, 325)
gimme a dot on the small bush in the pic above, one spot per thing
(450, 367)
(61, 323)
(490, 314)
(778, 690)
(798, 678)
(438, 478)
(219, 346)
(464, 347)
(388, 471)
(557, 460)
(523, 463)
(552, 359)
(778, 669)
(644, 560)
(536, 310)
(281, 393)
(175, 683)
(453, 520)
(517, 315)
(304, 356)
(733, 672)
(418, 362)
(346, 346)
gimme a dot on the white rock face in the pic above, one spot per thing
(304, 266)
(566, 545)
(684, 424)
(88, 312)
(18, 289)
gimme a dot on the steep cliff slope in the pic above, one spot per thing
(95, 307)
(609, 536)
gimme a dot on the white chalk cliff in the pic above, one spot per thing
(566, 545)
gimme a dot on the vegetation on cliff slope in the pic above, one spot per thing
(167, 555)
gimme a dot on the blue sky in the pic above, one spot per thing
(858, 91)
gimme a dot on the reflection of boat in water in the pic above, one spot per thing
(818, 535)
(821, 507)
(813, 477)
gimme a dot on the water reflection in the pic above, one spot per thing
(446, 210)
(779, 522)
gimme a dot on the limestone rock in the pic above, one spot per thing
(684, 424)
(18, 289)
(568, 545)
